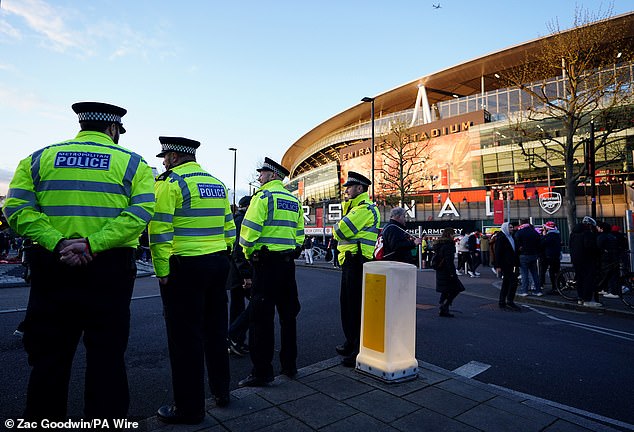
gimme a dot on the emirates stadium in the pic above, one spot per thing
(485, 145)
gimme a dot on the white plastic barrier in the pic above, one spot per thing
(388, 321)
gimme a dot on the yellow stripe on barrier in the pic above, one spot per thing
(374, 312)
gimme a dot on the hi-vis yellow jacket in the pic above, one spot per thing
(274, 219)
(86, 187)
(193, 216)
(360, 225)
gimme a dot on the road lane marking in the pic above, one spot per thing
(471, 369)
(23, 309)
(620, 334)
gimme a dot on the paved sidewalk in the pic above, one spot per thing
(329, 397)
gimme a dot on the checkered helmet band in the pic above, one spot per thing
(178, 148)
(274, 169)
(97, 116)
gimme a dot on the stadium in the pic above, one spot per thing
(486, 140)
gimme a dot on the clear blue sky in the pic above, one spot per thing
(248, 74)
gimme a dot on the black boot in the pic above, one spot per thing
(444, 310)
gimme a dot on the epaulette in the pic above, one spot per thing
(163, 176)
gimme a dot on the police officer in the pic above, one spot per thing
(356, 233)
(271, 234)
(190, 236)
(239, 271)
(84, 202)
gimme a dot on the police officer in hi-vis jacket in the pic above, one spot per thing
(356, 234)
(272, 232)
(191, 235)
(84, 202)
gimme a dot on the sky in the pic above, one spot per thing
(251, 75)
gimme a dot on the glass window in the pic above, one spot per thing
(514, 100)
(492, 103)
(503, 103)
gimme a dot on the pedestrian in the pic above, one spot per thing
(473, 245)
(191, 235)
(484, 250)
(528, 245)
(356, 233)
(506, 261)
(584, 254)
(398, 244)
(84, 203)
(464, 257)
(240, 271)
(307, 246)
(332, 244)
(550, 256)
(271, 235)
(608, 285)
(447, 282)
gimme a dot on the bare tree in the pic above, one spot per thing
(403, 166)
(591, 85)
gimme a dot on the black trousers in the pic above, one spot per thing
(350, 300)
(65, 304)
(554, 265)
(195, 310)
(509, 285)
(274, 286)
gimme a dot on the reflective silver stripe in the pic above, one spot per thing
(35, 167)
(163, 217)
(283, 223)
(195, 232)
(370, 229)
(285, 193)
(87, 211)
(22, 194)
(271, 205)
(245, 243)
(161, 238)
(187, 198)
(230, 233)
(252, 225)
(350, 225)
(10, 211)
(228, 217)
(360, 240)
(339, 233)
(277, 240)
(199, 212)
(300, 233)
(130, 171)
(367, 242)
(140, 212)
(142, 198)
(81, 185)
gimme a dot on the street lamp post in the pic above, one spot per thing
(235, 157)
(369, 99)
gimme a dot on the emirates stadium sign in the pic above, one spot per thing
(550, 202)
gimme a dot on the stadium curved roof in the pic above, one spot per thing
(463, 79)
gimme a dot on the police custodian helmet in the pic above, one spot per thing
(178, 145)
(99, 111)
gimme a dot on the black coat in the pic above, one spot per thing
(239, 267)
(397, 243)
(583, 246)
(527, 241)
(505, 257)
(446, 278)
(551, 244)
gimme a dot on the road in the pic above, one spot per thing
(568, 357)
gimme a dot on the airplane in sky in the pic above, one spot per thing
(436, 6)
